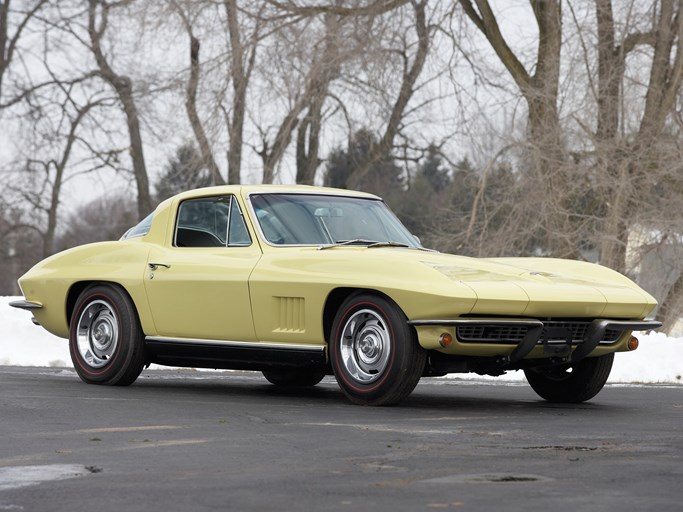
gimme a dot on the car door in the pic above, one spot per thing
(198, 285)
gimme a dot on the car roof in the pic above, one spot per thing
(163, 211)
(245, 190)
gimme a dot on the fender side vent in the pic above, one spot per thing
(289, 314)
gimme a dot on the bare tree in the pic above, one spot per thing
(370, 8)
(539, 89)
(303, 80)
(544, 149)
(8, 39)
(308, 132)
(98, 19)
(243, 47)
(633, 159)
(410, 72)
(624, 160)
(49, 163)
(191, 95)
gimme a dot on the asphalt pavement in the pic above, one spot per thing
(195, 441)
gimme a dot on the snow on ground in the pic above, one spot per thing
(658, 360)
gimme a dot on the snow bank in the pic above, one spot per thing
(24, 344)
(658, 360)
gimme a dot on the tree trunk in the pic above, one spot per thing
(282, 139)
(620, 164)
(308, 135)
(124, 89)
(195, 122)
(307, 145)
(125, 92)
(540, 91)
(240, 81)
(4, 57)
(58, 180)
(666, 74)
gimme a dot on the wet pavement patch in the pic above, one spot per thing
(24, 476)
(563, 448)
(487, 478)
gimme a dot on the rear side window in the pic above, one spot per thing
(140, 229)
(210, 222)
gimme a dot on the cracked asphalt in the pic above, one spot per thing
(194, 441)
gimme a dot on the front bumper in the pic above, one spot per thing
(559, 342)
(25, 304)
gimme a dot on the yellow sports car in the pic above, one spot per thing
(299, 282)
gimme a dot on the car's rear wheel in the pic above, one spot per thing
(571, 383)
(105, 340)
(374, 353)
(294, 378)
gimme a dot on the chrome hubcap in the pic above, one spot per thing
(365, 346)
(97, 333)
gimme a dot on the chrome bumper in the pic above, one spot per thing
(25, 304)
(534, 329)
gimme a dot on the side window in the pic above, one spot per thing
(204, 222)
(140, 229)
(238, 234)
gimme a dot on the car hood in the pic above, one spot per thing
(434, 285)
(544, 287)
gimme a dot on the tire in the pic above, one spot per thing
(374, 353)
(300, 377)
(106, 342)
(571, 384)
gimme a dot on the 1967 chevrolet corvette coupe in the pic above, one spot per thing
(299, 282)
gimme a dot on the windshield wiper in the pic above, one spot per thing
(370, 244)
(355, 241)
(400, 244)
(388, 244)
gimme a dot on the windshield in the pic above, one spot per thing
(303, 219)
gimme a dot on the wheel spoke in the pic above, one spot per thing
(97, 333)
(365, 346)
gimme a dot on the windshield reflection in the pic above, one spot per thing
(309, 219)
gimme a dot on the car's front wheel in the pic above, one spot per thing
(374, 353)
(106, 342)
(571, 383)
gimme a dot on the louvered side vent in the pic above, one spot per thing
(289, 314)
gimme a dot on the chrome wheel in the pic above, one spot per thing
(374, 353)
(97, 333)
(365, 346)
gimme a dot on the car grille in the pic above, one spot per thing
(553, 331)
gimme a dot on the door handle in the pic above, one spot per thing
(154, 266)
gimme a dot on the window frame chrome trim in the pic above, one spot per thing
(232, 199)
(262, 235)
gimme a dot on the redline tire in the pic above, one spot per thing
(374, 353)
(106, 342)
(577, 383)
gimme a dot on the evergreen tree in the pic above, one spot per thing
(417, 207)
(433, 170)
(383, 176)
(185, 171)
